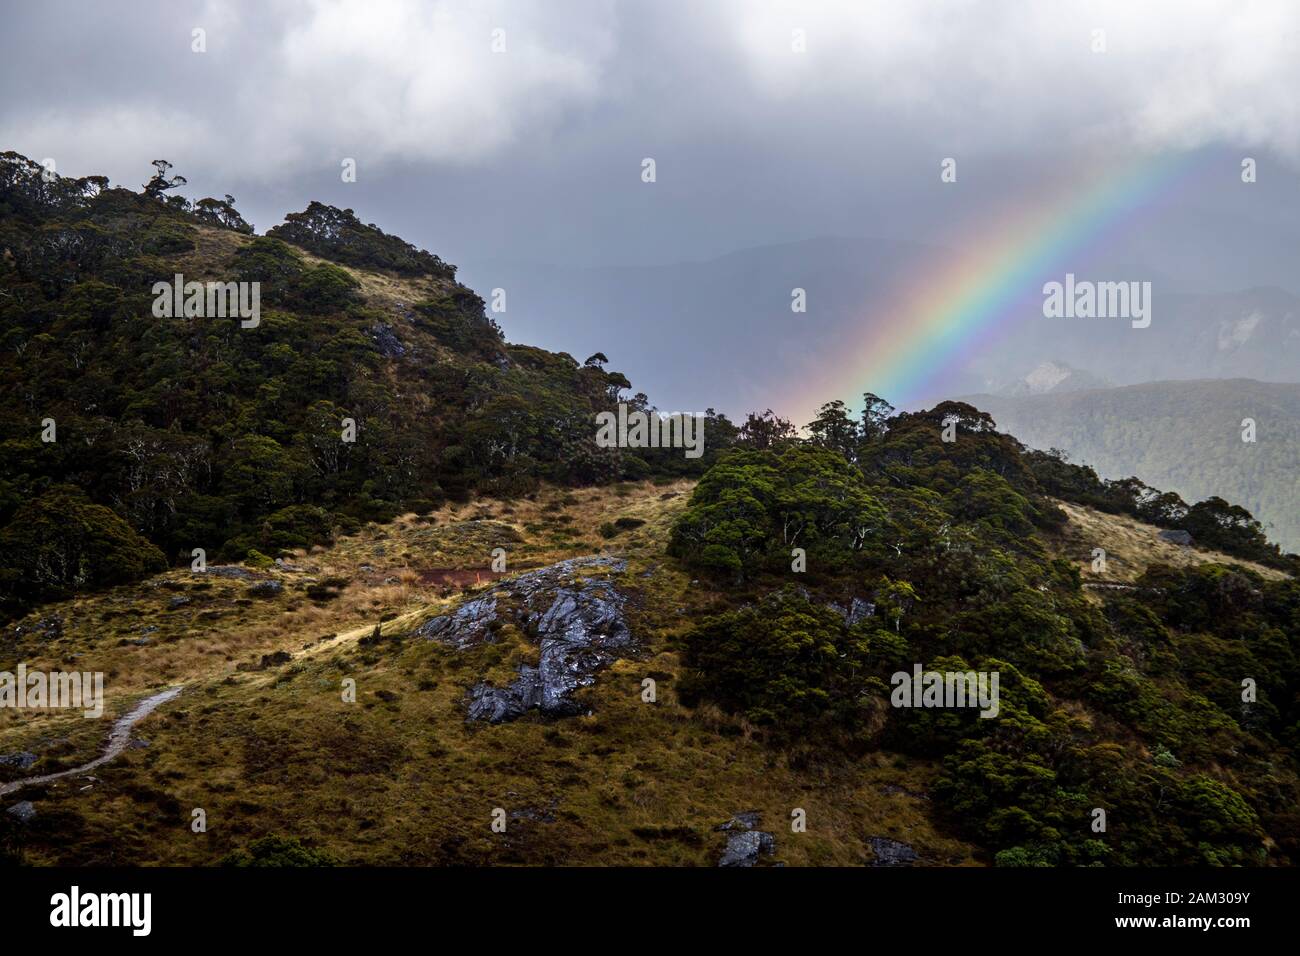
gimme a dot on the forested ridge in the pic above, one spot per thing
(162, 435)
(1173, 704)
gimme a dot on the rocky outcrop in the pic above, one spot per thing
(266, 589)
(857, 611)
(386, 341)
(23, 759)
(745, 843)
(571, 609)
(891, 852)
(230, 571)
(24, 811)
(498, 704)
(1177, 536)
(45, 629)
(468, 625)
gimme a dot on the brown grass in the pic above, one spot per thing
(1131, 547)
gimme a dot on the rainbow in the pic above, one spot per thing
(943, 315)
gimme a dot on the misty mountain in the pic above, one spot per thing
(1180, 436)
(737, 308)
(1253, 333)
(1052, 376)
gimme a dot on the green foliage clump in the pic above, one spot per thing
(278, 851)
(62, 542)
(787, 663)
(754, 507)
(338, 234)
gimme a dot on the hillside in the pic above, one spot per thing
(401, 777)
(259, 739)
(474, 636)
(370, 384)
(1185, 437)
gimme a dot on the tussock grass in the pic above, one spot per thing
(399, 776)
(1131, 547)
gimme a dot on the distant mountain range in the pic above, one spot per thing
(1183, 436)
(1248, 334)
(1053, 377)
(737, 307)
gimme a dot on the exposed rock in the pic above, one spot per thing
(576, 620)
(745, 820)
(744, 848)
(468, 625)
(23, 759)
(499, 704)
(24, 811)
(389, 345)
(231, 571)
(745, 844)
(46, 628)
(891, 852)
(265, 589)
(178, 601)
(746, 841)
(535, 814)
(1177, 536)
(857, 611)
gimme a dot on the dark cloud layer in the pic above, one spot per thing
(502, 160)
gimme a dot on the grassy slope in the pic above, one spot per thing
(1131, 547)
(399, 777)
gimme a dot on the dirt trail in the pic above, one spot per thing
(117, 741)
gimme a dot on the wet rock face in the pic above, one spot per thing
(580, 632)
(496, 705)
(577, 621)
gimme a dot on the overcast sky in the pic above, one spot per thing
(534, 153)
